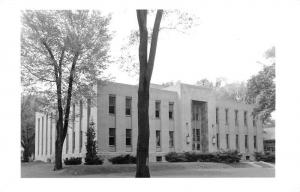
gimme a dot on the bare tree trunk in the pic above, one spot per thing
(58, 145)
(146, 68)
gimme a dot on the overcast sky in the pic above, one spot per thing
(228, 42)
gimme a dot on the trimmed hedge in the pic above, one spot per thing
(72, 161)
(123, 159)
(265, 157)
(93, 161)
(220, 157)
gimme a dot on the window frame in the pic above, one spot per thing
(128, 98)
(157, 109)
(226, 116)
(171, 111)
(112, 103)
(128, 136)
(112, 136)
(171, 139)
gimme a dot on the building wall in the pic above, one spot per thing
(181, 95)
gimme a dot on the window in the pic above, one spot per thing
(254, 141)
(80, 126)
(236, 118)
(227, 141)
(171, 139)
(128, 137)
(39, 136)
(112, 104)
(226, 116)
(157, 109)
(198, 134)
(42, 135)
(67, 143)
(217, 116)
(112, 136)
(237, 145)
(171, 110)
(218, 141)
(157, 138)
(158, 158)
(245, 119)
(246, 141)
(128, 106)
(254, 120)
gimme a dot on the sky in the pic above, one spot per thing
(228, 42)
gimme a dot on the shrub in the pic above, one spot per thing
(223, 157)
(175, 157)
(265, 157)
(91, 157)
(123, 159)
(73, 161)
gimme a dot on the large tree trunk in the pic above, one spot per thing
(146, 68)
(59, 141)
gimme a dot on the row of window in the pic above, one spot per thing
(237, 144)
(128, 106)
(236, 120)
(128, 138)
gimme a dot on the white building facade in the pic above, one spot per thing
(182, 118)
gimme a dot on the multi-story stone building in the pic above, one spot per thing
(182, 118)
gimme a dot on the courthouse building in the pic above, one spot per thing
(182, 118)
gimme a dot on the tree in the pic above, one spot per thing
(146, 68)
(261, 88)
(29, 105)
(205, 83)
(91, 157)
(63, 53)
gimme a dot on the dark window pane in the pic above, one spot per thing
(128, 106)
(157, 138)
(128, 136)
(112, 104)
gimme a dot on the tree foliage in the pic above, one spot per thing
(91, 157)
(63, 53)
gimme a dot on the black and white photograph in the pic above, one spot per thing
(152, 91)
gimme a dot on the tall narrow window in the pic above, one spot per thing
(171, 139)
(39, 135)
(217, 116)
(245, 119)
(128, 106)
(157, 138)
(157, 109)
(226, 117)
(128, 137)
(112, 104)
(80, 126)
(73, 129)
(236, 118)
(254, 142)
(237, 145)
(218, 141)
(246, 141)
(42, 135)
(227, 141)
(112, 136)
(171, 110)
(51, 116)
(46, 151)
(67, 143)
(253, 120)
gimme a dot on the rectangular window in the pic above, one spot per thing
(171, 139)
(198, 134)
(46, 151)
(227, 141)
(217, 116)
(39, 135)
(42, 135)
(157, 109)
(254, 141)
(245, 119)
(128, 137)
(112, 136)
(194, 134)
(254, 120)
(51, 133)
(246, 141)
(67, 143)
(128, 106)
(157, 138)
(226, 117)
(237, 145)
(112, 104)
(80, 125)
(236, 118)
(171, 110)
(218, 141)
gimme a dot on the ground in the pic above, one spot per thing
(193, 169)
